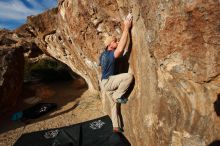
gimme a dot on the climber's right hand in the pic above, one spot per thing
(128, 21)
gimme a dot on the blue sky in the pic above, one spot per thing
(13, 13)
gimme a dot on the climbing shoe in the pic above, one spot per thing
(118, 130)
(122, 100)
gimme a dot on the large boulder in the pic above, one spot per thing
(11, 76)
(13, 46)
(174, 58)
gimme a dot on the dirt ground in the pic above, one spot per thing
(75, 104)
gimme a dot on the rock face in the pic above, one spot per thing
(13, 45)
(11, 69)
(11, 76)
(174, 57)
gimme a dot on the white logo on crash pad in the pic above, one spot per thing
(96, 124)
(51, 134)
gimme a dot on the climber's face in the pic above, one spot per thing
(114, 44)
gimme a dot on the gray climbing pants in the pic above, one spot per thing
(114, 87)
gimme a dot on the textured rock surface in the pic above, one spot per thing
(13, 45)
(11, 76)
(11, 68)
(174, 57)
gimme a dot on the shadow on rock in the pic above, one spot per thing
(217, 105)
(215, 143)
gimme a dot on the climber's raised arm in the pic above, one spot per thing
(124, 37)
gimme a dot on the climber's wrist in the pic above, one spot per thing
(126, 29)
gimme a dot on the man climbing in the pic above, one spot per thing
(115, 84)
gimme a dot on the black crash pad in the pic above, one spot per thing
(96, 132)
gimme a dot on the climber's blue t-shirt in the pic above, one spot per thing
(107, 61)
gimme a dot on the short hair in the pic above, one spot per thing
(108, 40)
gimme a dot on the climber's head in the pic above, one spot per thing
(111, 43)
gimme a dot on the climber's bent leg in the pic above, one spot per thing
(119, 84)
